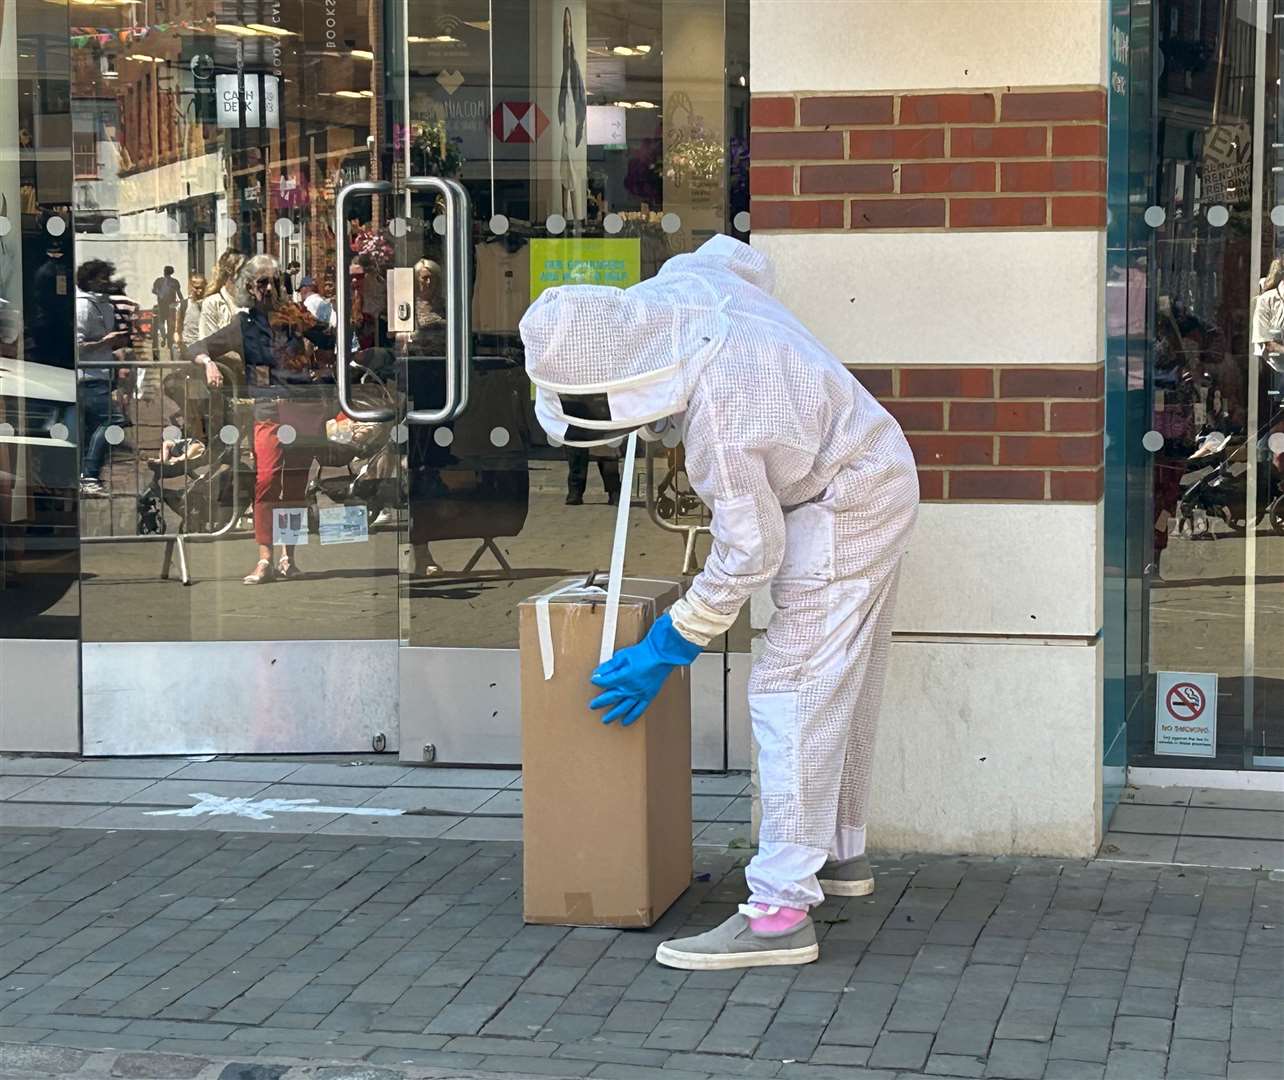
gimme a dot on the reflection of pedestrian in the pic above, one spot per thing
(190, 323)
(222, 300)
(169, 294)
(96, 340)
(51, 309)
(608, 467)
(273, 335)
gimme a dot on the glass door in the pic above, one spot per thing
(269, 194)
(588, 142)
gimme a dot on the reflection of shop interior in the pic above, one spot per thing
(1213, 582)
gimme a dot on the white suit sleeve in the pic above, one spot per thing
(748, 529)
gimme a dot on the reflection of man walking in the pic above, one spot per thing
(169, 294)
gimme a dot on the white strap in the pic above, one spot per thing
(617, 551)
(545, 628)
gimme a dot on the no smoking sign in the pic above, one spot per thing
(1186, 714)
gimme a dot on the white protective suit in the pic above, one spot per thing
(813, 491)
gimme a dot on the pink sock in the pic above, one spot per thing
(774, 920)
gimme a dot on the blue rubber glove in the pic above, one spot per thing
(631, 679)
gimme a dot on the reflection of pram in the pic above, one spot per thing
(1222, 491)
(202, 502)
(364, 451)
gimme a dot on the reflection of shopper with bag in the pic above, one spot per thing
(275, 337)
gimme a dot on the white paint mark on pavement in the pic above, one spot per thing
(263, 809)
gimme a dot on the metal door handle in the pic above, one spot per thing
(458, 309)
(342, 337)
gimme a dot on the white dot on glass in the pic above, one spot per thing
(741, 221)
(110, 226)
(439, 224)
(671, 437)
(1152, 441)
(5, 226)
(59, 431)
(7, 431)
(285, 434)
(613, 223)
(171, 434)
(1154, 216)
(1277, 216)
(443, 436)
(499, 436)
(284, 227)
(115, 434)
(1276, 443)
(1218, 216)
(670, 223)
(499, 224)
(398, 227)
(556, 224)
(228, 434)
(56, 226)
(400, 433)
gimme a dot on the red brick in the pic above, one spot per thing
(845, 180)
(897, 213)
(1050, 383)
(1079, 211)
(1050, 450)
(796, 145)
(1077, 486)
(894, 144)
(1054, 176)
(947, 382)
(952, 449)
(918, 415)
(1081, 140)
(772, 112)
(797, 214)
(996, 416)
(996, 484)
(1055, 105)
(845, 111)
(771, 180)
(948, 176)
(947, 109)
(878, 381)
(1011, 212)
(1077, 416)
(998, 142)
(931, 485)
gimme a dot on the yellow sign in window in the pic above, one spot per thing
(585, 261)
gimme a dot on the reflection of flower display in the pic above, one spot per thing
(691, 156)
(738, 178)
(371, 246)
(432, 151)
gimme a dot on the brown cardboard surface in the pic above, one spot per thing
(606, 818)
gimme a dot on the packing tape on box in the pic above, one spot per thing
(575, 590)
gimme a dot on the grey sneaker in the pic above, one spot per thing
(734, 944)
(852, 877)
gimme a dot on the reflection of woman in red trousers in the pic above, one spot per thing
(273, 336)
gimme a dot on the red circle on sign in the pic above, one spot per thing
(1185, 702)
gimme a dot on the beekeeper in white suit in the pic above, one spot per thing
(813, 491)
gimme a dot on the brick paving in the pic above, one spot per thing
(256, 956)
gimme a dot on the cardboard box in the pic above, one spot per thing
(606, 809)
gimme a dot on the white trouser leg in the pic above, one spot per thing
(853, 788)
(825, 651)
